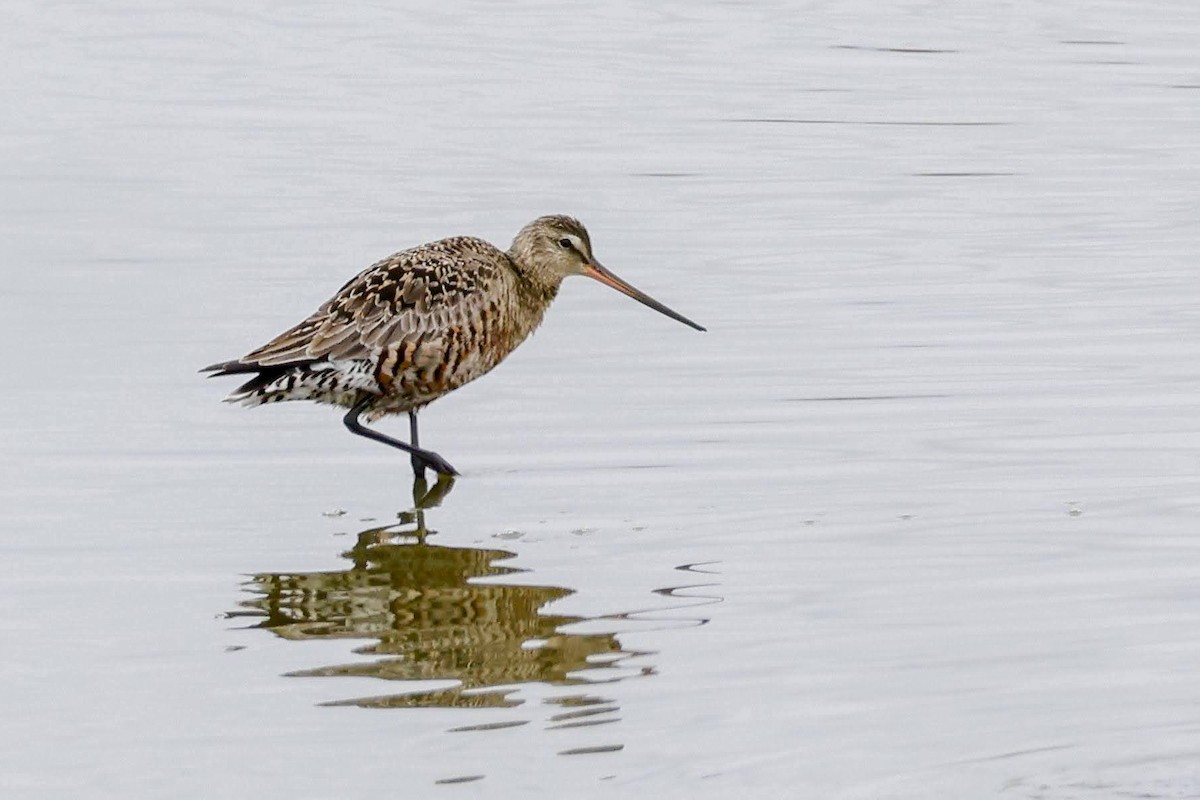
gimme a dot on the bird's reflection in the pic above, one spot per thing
(431, 619)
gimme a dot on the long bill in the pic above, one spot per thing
(602, 274)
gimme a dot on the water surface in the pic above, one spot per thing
(930, 476)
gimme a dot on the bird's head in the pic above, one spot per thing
(552, 248)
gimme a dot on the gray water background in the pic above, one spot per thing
(935, 459)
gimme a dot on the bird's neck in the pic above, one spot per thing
(538, 285)
(534, 292)
(536, 296)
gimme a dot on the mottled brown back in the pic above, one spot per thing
(417, 291)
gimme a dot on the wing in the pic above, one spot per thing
(412, 293)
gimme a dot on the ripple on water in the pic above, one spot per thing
(427, 614)
(1101, 770)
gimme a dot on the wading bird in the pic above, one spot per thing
(421, 323)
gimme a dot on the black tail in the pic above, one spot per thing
(230, 368)
(263, 375)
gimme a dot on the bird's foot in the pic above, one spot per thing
(434, 462)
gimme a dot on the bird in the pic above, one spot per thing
(421, 323)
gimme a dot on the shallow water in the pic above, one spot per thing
(914, 519)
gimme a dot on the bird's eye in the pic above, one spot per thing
(566, 244)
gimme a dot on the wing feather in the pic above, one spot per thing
(409, 294)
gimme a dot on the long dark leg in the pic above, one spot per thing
(427, 458)
(418, 464)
